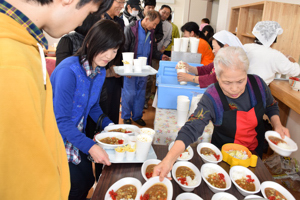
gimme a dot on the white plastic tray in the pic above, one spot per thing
(146, 70)
(111, 154)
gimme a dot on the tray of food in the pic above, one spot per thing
(146, 71)
(112, 156)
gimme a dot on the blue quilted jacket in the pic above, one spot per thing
(75, 95)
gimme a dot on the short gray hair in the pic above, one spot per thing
(153, 15)
(231, 57)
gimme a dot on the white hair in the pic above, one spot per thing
(231, 57)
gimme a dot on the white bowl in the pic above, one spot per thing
(153, 181)
(128, 127)
(190, 150)
(212, 147)
(253, 197)
(281, 151)
(218, 169)
(221, 195)
(150, 162)
(192, 167)
(188, 195)
(122, 136)
(276, 186)
(122, 182)
(246, 171)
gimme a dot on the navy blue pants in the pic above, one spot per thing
(82, 178)
(133, 97)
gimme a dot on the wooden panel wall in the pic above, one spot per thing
(288, 16)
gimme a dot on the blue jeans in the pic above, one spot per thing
(133, 97)
(82, 178)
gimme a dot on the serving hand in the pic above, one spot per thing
(99, 155)
(162, 170)
(184, 77)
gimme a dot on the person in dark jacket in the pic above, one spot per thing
(139, 38)
(113, 81)
(131, 11)
(150, 5)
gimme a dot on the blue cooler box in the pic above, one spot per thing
(168, 88)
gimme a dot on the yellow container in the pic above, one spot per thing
(250, 161)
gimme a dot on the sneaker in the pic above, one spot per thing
(140, 122)
(127, 121)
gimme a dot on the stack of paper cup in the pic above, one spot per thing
(183, 103)
(183, 71)
(177, 42)
(194, 42)
(143, 144)
(184, 44)
(138, 63)
(128, 61)
(194, 103)
(144, 63)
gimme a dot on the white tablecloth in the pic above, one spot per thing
(166, 129)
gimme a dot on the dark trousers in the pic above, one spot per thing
(114, 87)
(150, 88)
(82, 178)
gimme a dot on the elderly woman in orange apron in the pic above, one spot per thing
(235, 104)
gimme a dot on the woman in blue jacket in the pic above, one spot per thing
(76, 82)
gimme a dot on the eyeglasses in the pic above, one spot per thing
(120, 2)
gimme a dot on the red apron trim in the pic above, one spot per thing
(246, 123)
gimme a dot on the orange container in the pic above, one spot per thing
(250, 161)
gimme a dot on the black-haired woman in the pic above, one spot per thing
(76, 82)
(191, 29)
(208, 32)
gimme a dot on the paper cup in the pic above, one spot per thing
(183, 71)
(181, 117)
(130, 155)
(194, 42)
(127, 68)
(119, 155)
(182, 97)
(194, 104)
(143, 144)
(144, 63)
(177, 42)
(184, 44)
(128, 61)
(138, 65)
(183, 104)
(128, 56)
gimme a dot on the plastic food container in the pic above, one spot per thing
(232, 161)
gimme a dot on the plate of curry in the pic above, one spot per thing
(244, 180)
(154, 189)
(274, 191)
(125, 188)
(111, 140)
